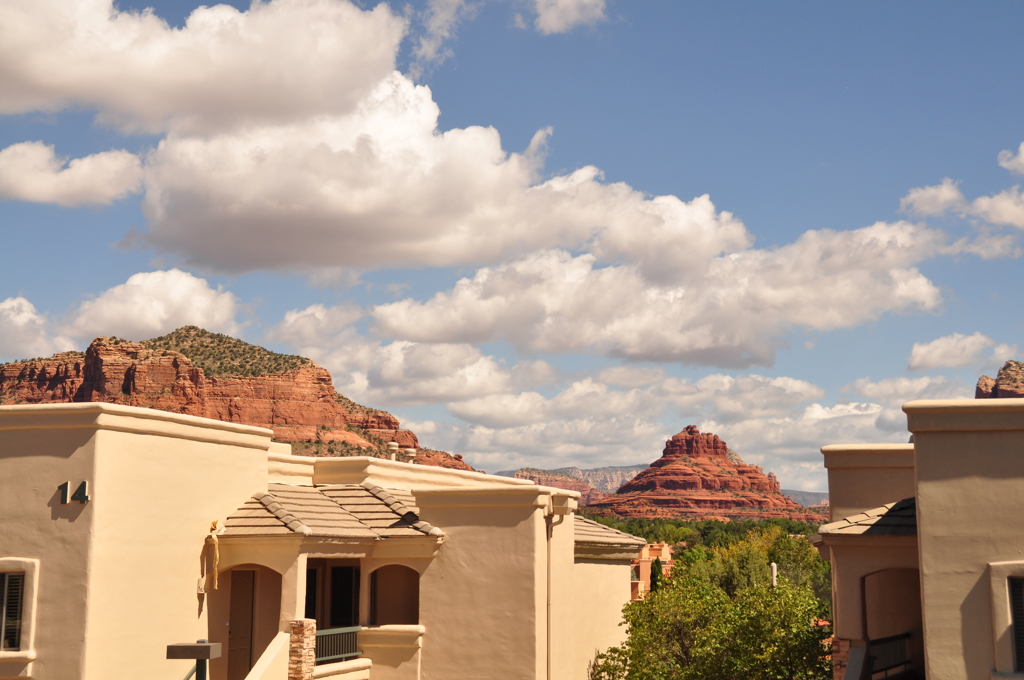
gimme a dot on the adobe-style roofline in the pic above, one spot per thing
(133, 419)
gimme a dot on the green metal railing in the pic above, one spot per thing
(191, 672)
(337, 644)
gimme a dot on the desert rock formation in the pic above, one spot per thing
(1008, 384)
(560, 480)
(300, 404)
(696, 478)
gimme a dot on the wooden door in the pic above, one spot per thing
(240, 624)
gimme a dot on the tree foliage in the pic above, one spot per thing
(717, 617)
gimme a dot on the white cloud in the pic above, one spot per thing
(559, 16)
(934, 200)
(440, 20)
(631, 376)
(30, 171)
(381, 187)
(959, 350)
(149, 304)
(732, 312)
(411, 373)
(586, 442)
(897, 391)
(1004, 208)
(277, 61)
(951, 351)
(25, 333)
(892, 393)
(1013, 163)
(394, 373)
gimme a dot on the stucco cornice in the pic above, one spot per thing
(838, 456)
(861, 539)
(964, 415)
(119, 418)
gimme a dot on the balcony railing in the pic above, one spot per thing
(889, 654)
(337, 644)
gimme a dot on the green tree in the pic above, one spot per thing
(656, 573)
(718, 617)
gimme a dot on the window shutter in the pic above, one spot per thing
(13, 603)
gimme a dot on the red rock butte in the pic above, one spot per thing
(299, 404)
(696, 478)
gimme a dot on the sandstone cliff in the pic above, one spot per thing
(697, 478)
(560, 480)
(250, 385)
(603, 479)
(1008, 384)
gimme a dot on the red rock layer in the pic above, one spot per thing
(299, 405)
(696, 479)
(1008, 384)
(588, 494)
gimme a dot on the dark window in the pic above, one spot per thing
(1017, 614)
(311, 575)
(344, 597)
(12, 589)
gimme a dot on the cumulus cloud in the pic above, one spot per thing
(149, 304)
(789, 445)
(559, 16)
(277, 61)
(590, 423)
(1005, 208)
(1013, 162)
(733, 312)
(392, 373)
(31, 171)
(631, 376)
(440, 20)
(956, 351)
(934, 200)
(382, 187)
(892, 393)
(26, 333)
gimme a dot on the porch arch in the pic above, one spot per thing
(394, 596)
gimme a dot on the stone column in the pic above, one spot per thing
(840, 655)
(302, 650)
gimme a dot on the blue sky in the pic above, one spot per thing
(541, 232)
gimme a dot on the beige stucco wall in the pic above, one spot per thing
(601, 588)
(120, 577)
(970, 481)
(482, 598)
(852, 560)
(124, 574)
(33, 461)
(866, 476)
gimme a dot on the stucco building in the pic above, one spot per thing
(926, 546)
(125, 530)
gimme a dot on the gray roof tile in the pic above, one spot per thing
(893, 519)
(590, 532)
(344, 511)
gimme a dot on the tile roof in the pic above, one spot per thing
(894, 519)
(341, 511)
(593, 533)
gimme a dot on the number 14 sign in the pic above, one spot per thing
(81, 493)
